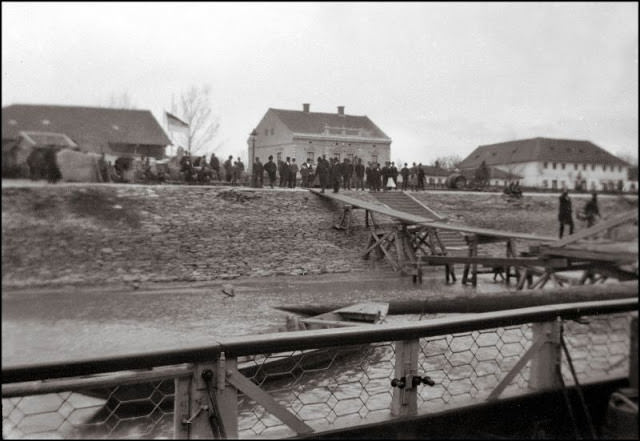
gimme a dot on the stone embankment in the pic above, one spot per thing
(112, 233)
(117, 233)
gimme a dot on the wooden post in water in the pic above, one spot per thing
(543, 373)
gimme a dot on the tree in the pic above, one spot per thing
(195, 110)
(122, 101)
(448, 162)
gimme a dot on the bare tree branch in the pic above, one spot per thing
(196, 111)
(448, 162)
(122, 101)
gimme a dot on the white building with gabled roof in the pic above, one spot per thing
(554, 164)
(303, 135)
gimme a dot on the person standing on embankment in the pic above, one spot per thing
(565, 214)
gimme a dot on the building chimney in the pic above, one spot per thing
(340, 110)
(305, 107)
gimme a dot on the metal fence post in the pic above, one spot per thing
(543, 373)
(404, 401)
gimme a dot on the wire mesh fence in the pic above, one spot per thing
(327, 388)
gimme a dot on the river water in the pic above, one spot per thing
(74, 323)
(71, 323)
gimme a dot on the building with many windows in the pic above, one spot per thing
(554, 164)
(303, 134)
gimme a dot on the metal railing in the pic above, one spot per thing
(283, 384)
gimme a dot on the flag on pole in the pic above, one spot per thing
(175, 124)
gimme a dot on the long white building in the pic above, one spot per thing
(554, 164)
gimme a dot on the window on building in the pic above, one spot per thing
(272, 130)
(562, 184)
(593, 166)
(575, 166)
(545, 183)
(604, 167)
(350, 157)
(619, 168)
(279, 156)
(554, 165)
(563, 165)
(584, 166)
(554, 184)
(546, 165)
(374, 158)
(311, 156)
(337, 155)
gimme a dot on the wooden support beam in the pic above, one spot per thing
(181, 407)
(239, 381)
(483, 260)
(598, 228)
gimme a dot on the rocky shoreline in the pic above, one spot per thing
(97, 234)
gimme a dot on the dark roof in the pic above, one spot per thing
(315, 123)
(92, 128)
(540, 149)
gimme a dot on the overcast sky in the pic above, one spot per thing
(438, 78)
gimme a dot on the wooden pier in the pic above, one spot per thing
(422, 237)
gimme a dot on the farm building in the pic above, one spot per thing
(554, 164)
(303, 134)
(118, 133)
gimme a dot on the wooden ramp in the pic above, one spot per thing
(413, 219)
(404, 202)
(424, 238)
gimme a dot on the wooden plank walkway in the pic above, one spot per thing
(421, 220)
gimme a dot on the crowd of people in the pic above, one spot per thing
(333, 174)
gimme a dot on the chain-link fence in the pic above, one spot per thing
(327, 388)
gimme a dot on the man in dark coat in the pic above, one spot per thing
(293, 173)
(385, 172)
(258, 173)
(346, 170)
(393, 174)
(376, 177)
(284, 173)
(336, 174)
(405, 172)
(420, 177)
(565, 214)
(271, 168)
(591, 210)
(359, 172)
(214, 162)
(322, 170)
(228, 169)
